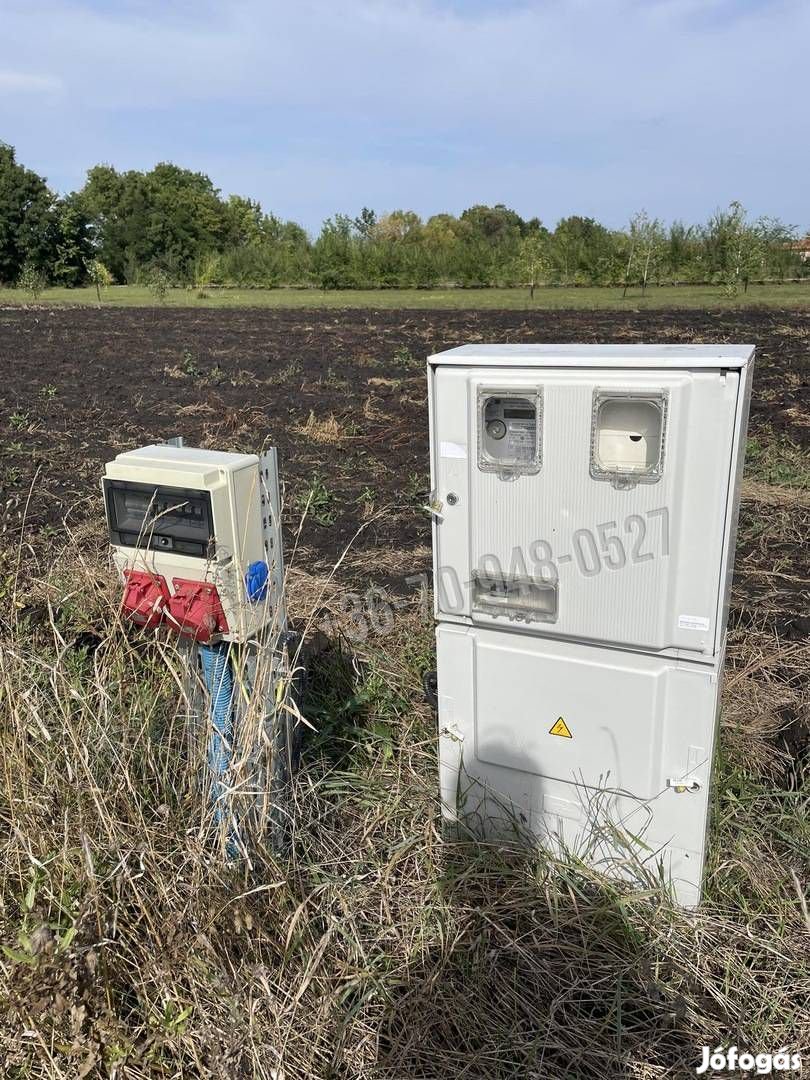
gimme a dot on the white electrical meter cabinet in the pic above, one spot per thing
(584, 507)
(195, 534)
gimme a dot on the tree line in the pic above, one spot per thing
(171, 226)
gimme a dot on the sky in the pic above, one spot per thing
(553, 107)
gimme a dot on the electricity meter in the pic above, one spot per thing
(196, 537)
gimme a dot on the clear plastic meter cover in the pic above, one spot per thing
(159, 517)
(628, 435)
(509, 431)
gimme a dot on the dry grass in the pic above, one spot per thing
(371, 409)
(326, 430)
(377, 948)
(768, 495)
(778, 460)
(765, 713)
(378, 380)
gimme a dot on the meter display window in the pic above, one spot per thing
(627, 436)
(161, 518)
(510, 432)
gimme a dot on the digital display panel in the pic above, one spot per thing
(159, 517)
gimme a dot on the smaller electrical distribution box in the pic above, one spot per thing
(196, 537)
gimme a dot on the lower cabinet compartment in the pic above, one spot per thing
(601, 753)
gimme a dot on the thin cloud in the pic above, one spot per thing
(21, 82)
(554, 106)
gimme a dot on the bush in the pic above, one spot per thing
(99, 275)
(32, 281)
(158, 285)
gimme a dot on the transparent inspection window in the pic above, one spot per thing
(510, 432)
(627, 436)
(519, 598)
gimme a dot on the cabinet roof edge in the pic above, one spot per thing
(655, 356)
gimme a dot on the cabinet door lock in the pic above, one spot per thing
(684, 783)
(434, 506)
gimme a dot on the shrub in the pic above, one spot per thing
(158, 284)
(32, 281)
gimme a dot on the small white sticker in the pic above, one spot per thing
(692, 622)
(452, 450)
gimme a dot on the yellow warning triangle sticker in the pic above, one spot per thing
(561, 728)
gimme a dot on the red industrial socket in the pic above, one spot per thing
(145, 597)
(195, 610)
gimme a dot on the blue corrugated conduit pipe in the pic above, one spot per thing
(218, 678)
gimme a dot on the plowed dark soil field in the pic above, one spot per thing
(376, 948)
(342, 394)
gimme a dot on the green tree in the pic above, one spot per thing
(99, 275)
(158, 283)
(735, 247)
(440, 245)
(747, 251)
(118, 204)
(779, 248)
(32, 280)
(27, 226)
(280, 255)
(645, 252)
(334, 254)
(244, 222)
(584, 252)
(187, 218)
(169, 217)
(364, 223)
(489, 238)
(682, 252)
(391, 253)
(534, 262)
(292, 249)
(496, 224)
(73, 247)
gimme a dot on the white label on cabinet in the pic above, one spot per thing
(452, 450)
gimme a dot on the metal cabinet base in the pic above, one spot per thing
(595, 752)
